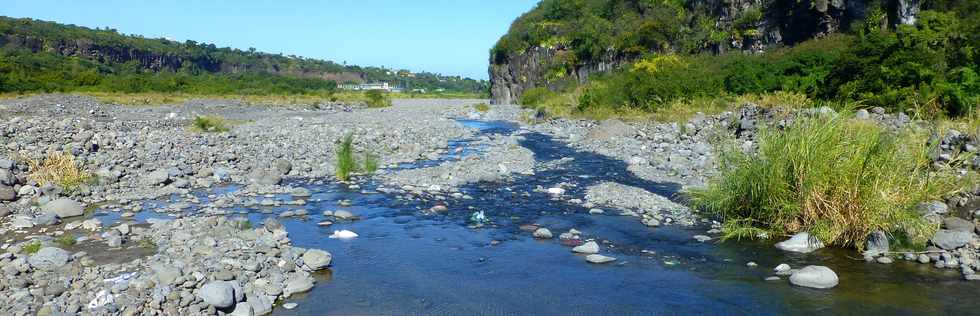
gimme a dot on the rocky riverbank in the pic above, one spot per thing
(147, 163)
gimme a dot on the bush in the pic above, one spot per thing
(535, 96)
(377, 99)
(837, 179)
(482, 107)
(58, 168)
(210, 124)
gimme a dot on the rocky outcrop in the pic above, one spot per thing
(783, 22)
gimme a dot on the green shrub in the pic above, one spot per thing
(377, 99)
(482, 107)
(840, 180)
(31, 248)
(535, 96)
(345, 163)
(210, 124)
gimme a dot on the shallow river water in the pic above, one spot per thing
(407, 262)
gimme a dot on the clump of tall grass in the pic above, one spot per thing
(210, 124)
(838, 179)
(347, 164)
(58, 168)
(482, 107)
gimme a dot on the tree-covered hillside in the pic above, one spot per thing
(899, 54)
(46, 56)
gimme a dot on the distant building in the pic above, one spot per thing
(371, 86)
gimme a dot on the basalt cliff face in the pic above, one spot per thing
(735, 25)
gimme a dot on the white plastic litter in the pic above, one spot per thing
(343, 234)
(121, 278)
(101, 299)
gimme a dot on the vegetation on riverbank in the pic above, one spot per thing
(837, 178)
(346, 162)
(929, 69)
(210, 124)
(58, 168)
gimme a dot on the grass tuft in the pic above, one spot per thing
(210, 124)
(346, 163)
(839, 179)
(31, 248)
(345, 158)
(66, 240)
(58, 168)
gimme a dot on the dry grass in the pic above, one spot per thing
(58, 168)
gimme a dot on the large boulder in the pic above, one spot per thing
(801, 242)
(818, 277)
(316, 259)
(64, 208)
(951, 239)
(49, 258)
(220, 294)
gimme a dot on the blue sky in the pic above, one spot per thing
(451, 37)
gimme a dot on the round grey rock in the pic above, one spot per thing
(49, 258)
(818, 277)
(64, 208)
(218, 294)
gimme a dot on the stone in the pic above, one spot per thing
(877, 244)
(862, 114)
(818, 277)
(801, 242)
(289, 305)
(219, 294)
(599, 259)
(590, 247)
(46, 219)
(283, 166)
(243, 310)
(543, 233)
(301, 192)
(951, 239)
(298, 284)
(161, 176)
(272, 225)
(959, 224)
(164, 273)
(49, 258)
(773, 278)
(64, 208)
(344, 215)
(316, 259)
(934, 207)
(7, 193)
(923, 258)
(783, 269)
(885, 260)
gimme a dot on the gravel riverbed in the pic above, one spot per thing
(207, 258)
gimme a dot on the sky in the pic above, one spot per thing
(452, 37)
